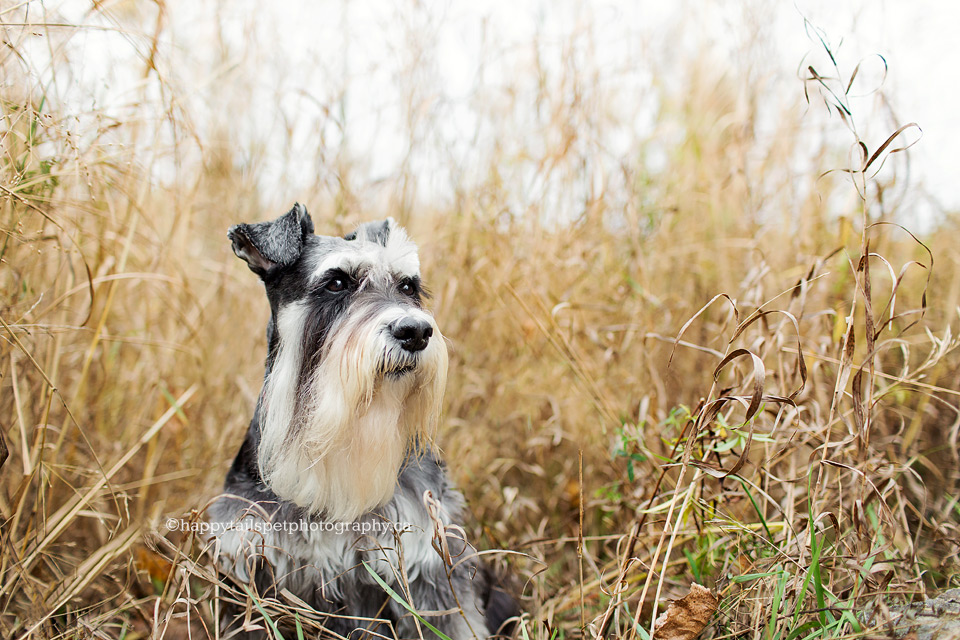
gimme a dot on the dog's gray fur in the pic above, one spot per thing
(300, 466)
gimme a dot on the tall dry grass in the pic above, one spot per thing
(712, 368)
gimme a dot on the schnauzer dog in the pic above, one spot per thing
(337, 489)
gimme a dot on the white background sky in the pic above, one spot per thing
(288, 62)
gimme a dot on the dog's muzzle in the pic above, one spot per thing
(413, 334)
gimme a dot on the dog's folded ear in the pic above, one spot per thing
(269, 246)
(377, 231)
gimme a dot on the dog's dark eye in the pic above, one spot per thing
(336, 284)
(407, 288)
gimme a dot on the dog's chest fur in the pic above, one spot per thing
(309, 554)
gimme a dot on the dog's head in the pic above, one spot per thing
(356, 366)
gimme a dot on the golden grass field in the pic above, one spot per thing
(588, 421)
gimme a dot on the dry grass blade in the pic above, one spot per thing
(856, 72)
(686, 325)
(886, 143)
(759, 375)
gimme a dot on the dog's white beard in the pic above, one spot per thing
(341, 452)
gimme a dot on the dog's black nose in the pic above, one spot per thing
(412, 334)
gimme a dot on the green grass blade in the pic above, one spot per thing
(270, 623)
(756, 507)
(399, 600)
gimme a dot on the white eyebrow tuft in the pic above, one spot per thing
(398, 258)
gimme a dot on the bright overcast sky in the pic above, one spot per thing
(302, 51)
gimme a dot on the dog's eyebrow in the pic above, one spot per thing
(345, 261)
(359, 262)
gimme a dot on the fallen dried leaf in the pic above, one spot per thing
(685, 618)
